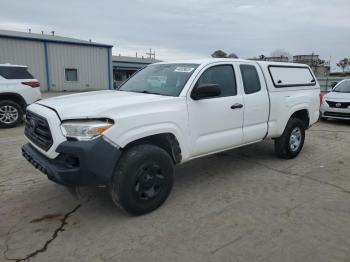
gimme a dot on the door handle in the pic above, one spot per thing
(236, 106)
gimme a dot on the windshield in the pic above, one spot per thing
(343, 87)
(160, 79)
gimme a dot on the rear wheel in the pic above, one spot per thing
(11, 114)
(143, 179)
(292, 140)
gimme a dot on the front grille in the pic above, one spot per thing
(38, 131)
(336, 114)
(338, 104)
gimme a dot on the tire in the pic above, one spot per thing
(11, 114)
(291, 142)
(142, 180)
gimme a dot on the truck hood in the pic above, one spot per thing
(337, 96)
(98, 104)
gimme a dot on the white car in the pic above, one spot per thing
(18, 88)
(336, 104)
(130, 139)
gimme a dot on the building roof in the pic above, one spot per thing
(131, 63)
(208, 61)
(48, 38)
(306, 56)
(138, 60)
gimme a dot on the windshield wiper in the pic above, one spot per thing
(143, 92)
(148, 92)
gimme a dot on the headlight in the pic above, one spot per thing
(85, 129)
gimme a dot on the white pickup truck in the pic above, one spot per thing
(130, 139)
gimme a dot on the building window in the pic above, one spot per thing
(118, 76)
(71, 74)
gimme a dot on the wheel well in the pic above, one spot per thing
(303, 115)
(166, 141)
(14, 97)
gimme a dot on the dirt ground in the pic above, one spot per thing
(241, 205)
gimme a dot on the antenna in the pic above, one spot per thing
(53, 32)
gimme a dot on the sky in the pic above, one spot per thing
(185, 29)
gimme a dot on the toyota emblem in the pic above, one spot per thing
(338, 105)
(32, 124)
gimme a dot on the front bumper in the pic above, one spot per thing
(78, 163)
(335, 113)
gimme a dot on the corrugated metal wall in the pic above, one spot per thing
(29, 53)
(91, 63)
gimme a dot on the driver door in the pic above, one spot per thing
(216, 123)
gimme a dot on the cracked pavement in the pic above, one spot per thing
(240, 205)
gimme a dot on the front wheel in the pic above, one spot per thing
(143, 179)
(292, 140)
(11, 114)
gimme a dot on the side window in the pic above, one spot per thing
(224, 76)
(250, 77)
(291, 76)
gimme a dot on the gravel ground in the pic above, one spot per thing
(241, 205)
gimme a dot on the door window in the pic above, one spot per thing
(250, 77)
(224, 76)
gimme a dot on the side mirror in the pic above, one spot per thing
(205, 91)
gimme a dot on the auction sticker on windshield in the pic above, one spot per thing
(184, 69)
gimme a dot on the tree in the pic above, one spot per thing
(232, 55)
(219, 54)
(343, 64)
(262, 57)
(281, 52)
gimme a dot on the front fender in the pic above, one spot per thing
(136, 133)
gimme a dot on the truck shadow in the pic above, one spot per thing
(197, 173)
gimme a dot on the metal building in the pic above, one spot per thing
(271, 58)
(59, 63)
(125, 66)
(320, 67)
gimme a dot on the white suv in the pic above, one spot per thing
(18, 88)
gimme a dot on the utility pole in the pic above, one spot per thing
(151, 55)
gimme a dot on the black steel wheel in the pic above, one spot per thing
(143, 179)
